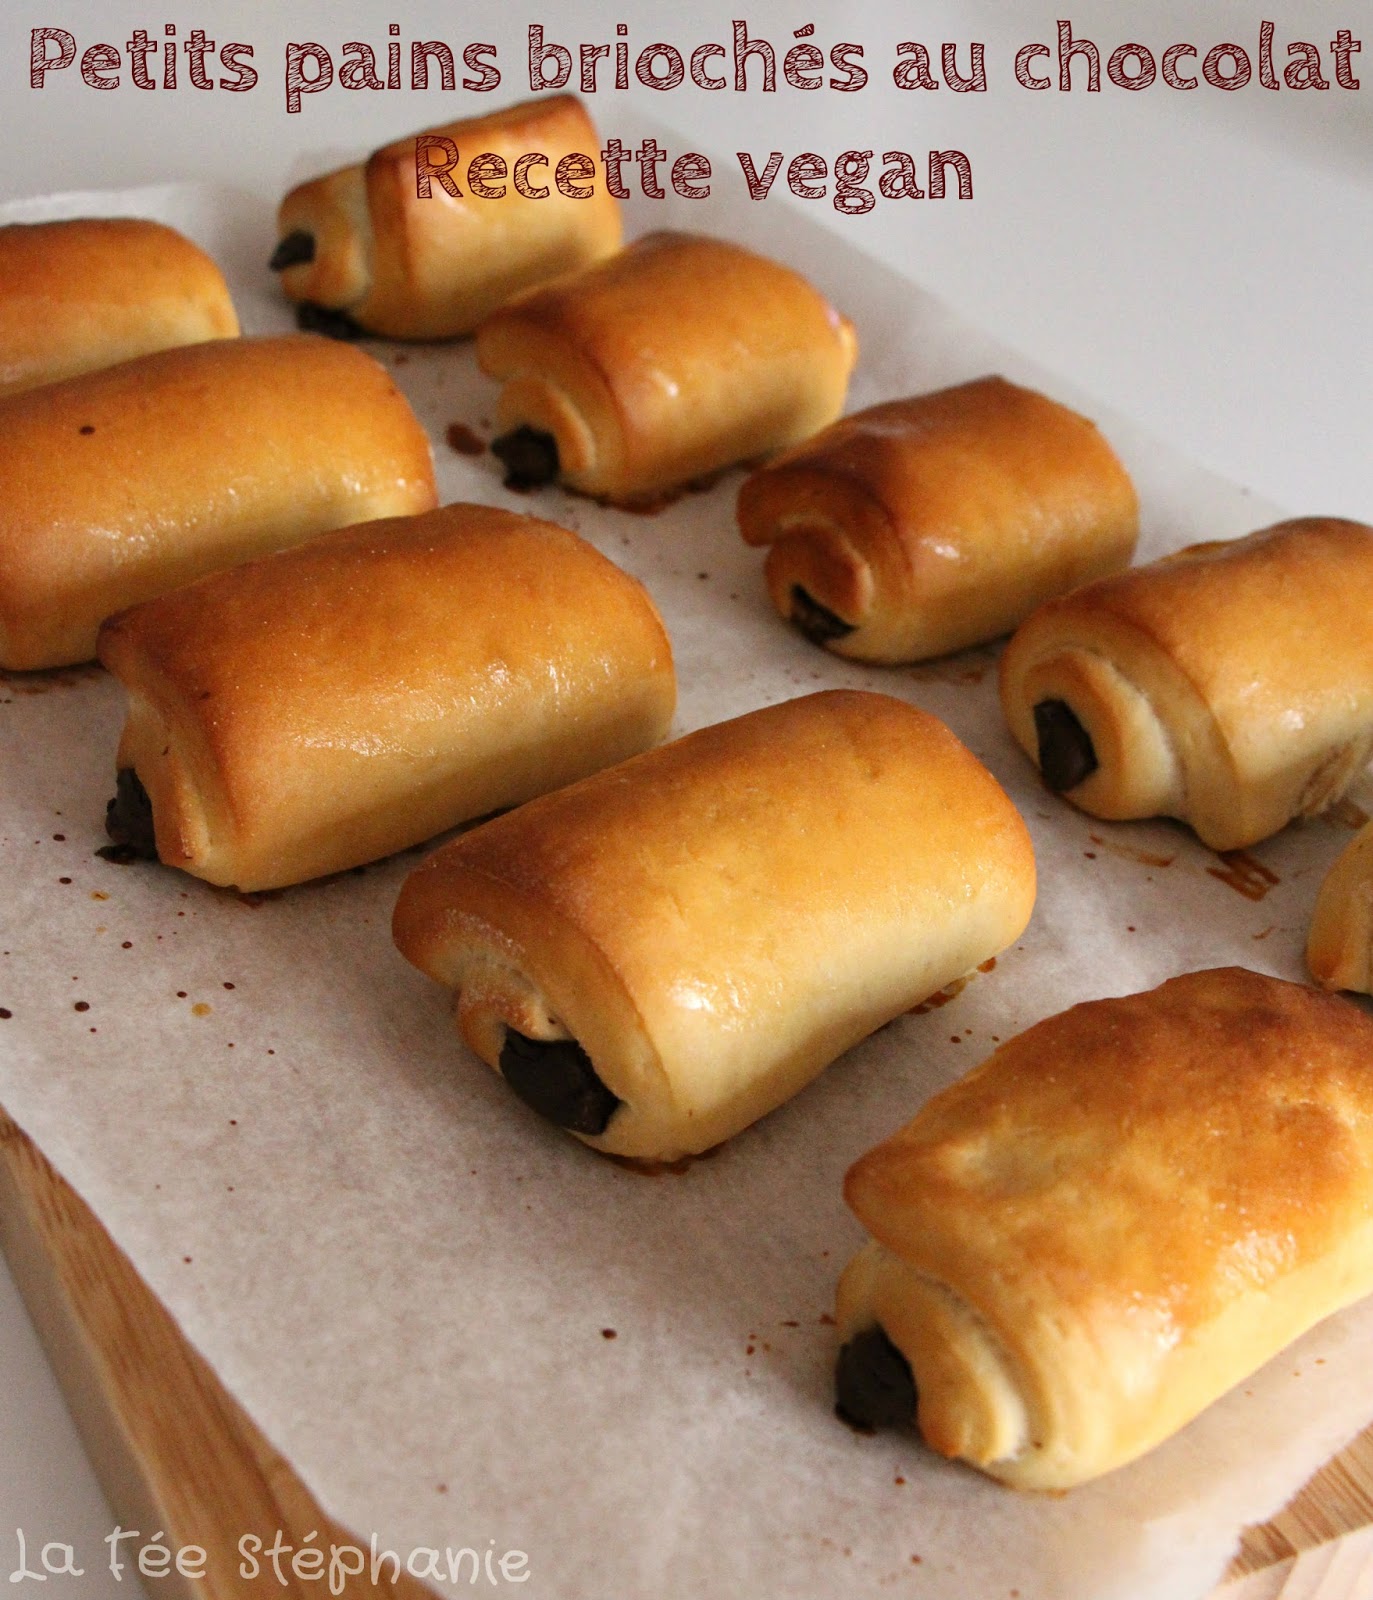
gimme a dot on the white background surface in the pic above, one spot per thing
(1200, 261)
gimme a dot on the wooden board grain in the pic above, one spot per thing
(1336, 1500)
(171, 1447)
(174, 1450)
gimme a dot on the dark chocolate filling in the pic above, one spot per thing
(294, 250)
(873, 1386)
(817, 622)
(555, 1078)
(129, 817)
(1066, 755)
(529, 456)
(312, 318)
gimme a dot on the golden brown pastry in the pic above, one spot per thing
(677, 357)
(1230, 685)
(331, 704)
(122, 484)
(1339, 950)
(924, 525)
(661, 954)
(1120, 1215)
(83, 294)
(360, 251)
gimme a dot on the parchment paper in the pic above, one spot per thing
(411, 1282)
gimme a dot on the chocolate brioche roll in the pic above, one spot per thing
(360, 251)
(330, 704)
(661, 954)
(1230, 685)
(123, 484)
(679, 356)
(925, 525)
(1120, 1215)
(1339, 949)
(86, 293)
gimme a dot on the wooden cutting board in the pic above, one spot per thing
(173, 1450)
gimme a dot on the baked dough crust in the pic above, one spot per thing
(933, 523)
(679, 356)
(331, 704)
(1339, 950)
(432, 269)
(86, 293)
(123, 484)
(1230, 685)
(1117, 1217)
(716, 921)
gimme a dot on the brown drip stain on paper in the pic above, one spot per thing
(969, 666)
(119, 855)
(658, 503)
(660, 1169)
(1242, 873)
(1146, 858)
(641, 508)
(31, 683)
(951, 991)
(1348, 815)
(253, 898)
(462, 439)
(652, 505)
(941, 997)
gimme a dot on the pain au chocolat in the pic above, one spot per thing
(360, 251)
(330, 704)
(1230, 685)
(661, 954)
(1120, 1215)
(123, 484)
(925, 525)
(675, 358)
(88, 292)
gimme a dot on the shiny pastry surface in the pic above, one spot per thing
(924, 525)
(123, 484)
(331, 704)
(360, 251)
(1229, 685)
(677, 357)
(79, 295)
(712, 923)
(1116, 1218)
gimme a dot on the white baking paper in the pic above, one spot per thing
(411, 1283)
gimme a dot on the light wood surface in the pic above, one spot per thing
(170, 1446)
(173, 1449)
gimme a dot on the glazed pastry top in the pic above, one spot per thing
(672, 359)
(119, 485)
(1143, 1161)
(931, 523)
(432, 267)
(85, 293)
(373, 686)
(1270, 631)
(753, 885)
